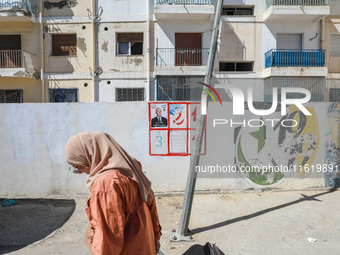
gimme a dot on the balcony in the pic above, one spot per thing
(184, 9)
(17, 11)
(295, 63)
(17, 63)
(181, 61)
(298, 10)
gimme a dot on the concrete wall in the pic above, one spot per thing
(34, 137)
(68, 8)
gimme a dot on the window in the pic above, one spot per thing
(236, 66)
(335, 45)
(129, 94)
(334, 95)
(63, 95)
(178, 88)
(10, 51)
(237, 11)
(64, 45)
(11, 96)
(129, 43)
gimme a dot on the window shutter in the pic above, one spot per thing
(129, 37)
(64, 45)
(289, 41)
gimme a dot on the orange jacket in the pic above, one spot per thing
(112, 199)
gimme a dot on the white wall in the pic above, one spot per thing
(34, 137)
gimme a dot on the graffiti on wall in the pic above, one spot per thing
(293, 150)
(332, 146)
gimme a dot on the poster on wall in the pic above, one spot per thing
(170, 133)
(178, 115)
(158, 115)
(178, 141)
(159, 142)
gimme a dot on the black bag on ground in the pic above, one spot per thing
(207, 249)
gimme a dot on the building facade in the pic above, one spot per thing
(157, 50)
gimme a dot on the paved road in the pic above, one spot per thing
(269, 222)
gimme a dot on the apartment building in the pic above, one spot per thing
(133, 50)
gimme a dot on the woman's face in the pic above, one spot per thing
(83, 169)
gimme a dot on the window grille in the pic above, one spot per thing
(130, 94)
(179, 88)
(63, 95)
(11, 96)
(315, 85)
(334, 95)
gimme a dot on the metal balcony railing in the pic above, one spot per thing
(296, 2)
(188, 2)
(16, 59)
(181, 56)
(304, 58)
(27, 4)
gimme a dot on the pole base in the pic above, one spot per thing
(175, 237)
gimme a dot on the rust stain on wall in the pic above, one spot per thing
(82, 45)
(104, 46)
(62, 4)
(136, 61)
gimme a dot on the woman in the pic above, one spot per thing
(121, 207)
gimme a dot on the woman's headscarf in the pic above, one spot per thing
(102, 154)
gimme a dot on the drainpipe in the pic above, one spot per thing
(148, 57)
(322, 33)
(42, 51)
(94, 56)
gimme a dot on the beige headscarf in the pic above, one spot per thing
(102, 154)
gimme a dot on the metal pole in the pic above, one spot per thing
(181, 233)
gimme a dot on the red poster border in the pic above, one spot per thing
(168, 129)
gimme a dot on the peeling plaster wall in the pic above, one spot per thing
(107, 48)
(121, 71)
(57, 8)
(69, 64)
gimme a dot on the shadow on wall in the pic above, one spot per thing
(232, 46)
(61, 8)
(31, 220)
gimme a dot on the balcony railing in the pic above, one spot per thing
(296, 2)
(27, 4)
(16, 59)
(181, 57)
(188, 2)
(295, 58)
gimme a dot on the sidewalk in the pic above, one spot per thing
(269, 222)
